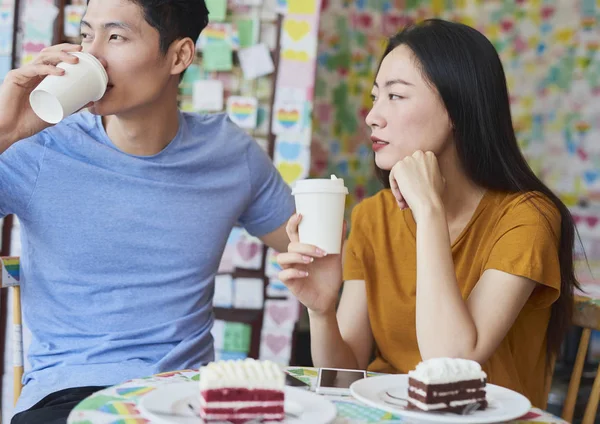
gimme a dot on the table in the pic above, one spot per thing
(118, 404)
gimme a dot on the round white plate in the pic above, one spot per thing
(504, 404)
(168, 404)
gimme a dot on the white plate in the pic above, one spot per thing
(504, 404)
(168, 405)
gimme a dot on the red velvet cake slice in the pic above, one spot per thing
(240, 391)
(447, 385)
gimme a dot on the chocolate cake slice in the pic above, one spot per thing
(447, 385)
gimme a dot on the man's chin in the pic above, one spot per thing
(97, 108)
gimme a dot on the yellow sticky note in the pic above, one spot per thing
(295, 55)
(297, 30)
(564, 35)
(290, 171)
(302, 7)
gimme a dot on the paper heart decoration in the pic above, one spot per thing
(547, 12)
(4, 17)
(276, 343)
(290, 171)
(295, 55)
(582, 127)
(73, 17)
(591, 176)
(363, 20)
(288, 118)
(520, 45)
(593, 45)
(242, 111)
(289, 151)
(278, 287)
(591, 221)
(343, 167)
(507, 25)
(215, 32)
(247, 249)
(582, 154)
(272, 257)
(297, 30)
(279, 314)
(33, 47)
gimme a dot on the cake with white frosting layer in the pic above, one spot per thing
(240, 391)
(447, 385)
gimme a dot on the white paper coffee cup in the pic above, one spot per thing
(321, 203)
(59, 96)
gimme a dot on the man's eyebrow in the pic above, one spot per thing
(109, 25)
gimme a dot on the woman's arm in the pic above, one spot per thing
(446, 324)
(345, 340)
(342, 341)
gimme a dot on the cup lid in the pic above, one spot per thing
(93, 60)
(319, 185)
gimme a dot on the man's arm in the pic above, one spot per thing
(277, 239)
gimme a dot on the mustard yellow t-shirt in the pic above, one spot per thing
(512, 232)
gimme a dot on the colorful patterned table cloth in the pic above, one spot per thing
(118, 404)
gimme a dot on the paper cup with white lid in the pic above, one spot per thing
(321, 202)
(60, 96)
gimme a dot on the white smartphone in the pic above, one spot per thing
(335, 381)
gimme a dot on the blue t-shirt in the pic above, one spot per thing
(119, 252)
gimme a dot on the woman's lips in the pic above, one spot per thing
(378, 144)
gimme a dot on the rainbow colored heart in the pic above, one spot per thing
(242, 111)
(214, 34)
(288, 118)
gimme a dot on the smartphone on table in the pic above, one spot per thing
(335, 381)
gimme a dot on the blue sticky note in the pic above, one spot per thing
(224, 355)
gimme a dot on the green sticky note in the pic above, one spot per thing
(217, 10)
(191, 75)
(237, 337)
(217, 57)
(245, 29)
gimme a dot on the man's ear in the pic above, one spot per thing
(183, 53)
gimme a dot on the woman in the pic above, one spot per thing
(468, 254)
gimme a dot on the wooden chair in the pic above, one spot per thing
(585, 316)
(9, 278)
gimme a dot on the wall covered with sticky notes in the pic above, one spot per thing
(256, 62)
(550, 54)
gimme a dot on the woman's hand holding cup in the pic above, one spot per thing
(312, 275)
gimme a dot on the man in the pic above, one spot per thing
(125, 211)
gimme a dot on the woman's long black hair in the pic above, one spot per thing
(466, 70)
